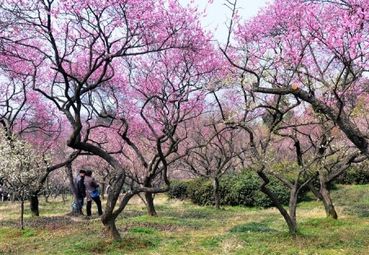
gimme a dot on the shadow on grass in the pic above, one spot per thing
(51, 222)
(133, 213)
(133, 242)
(148, 227)
(136, 240)
(198, 213)
(360, 210)
(252, 227)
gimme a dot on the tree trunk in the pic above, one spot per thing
(150, 204)
(109, 216)
(64, 197)
(75, 203)
(326, 199)
(46, 196)
(216, 194)
(293, 206)
(103, 187)
(292, 226)
(315, 191)
(34, 204)
(22, 214)
(111, 228)
(47, 192)
(149, 198)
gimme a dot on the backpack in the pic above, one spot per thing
(95, 193)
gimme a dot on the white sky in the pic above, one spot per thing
(218, 14)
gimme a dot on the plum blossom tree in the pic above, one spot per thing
(315, 152)
(211, 151)
(266, 148)
(20, 168)
(283, 133)
(164, 94)
(261, 118)
(77, 51)
(313, 50)
(336, 154)
(24, 114)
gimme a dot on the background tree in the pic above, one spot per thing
(24, 114)
(20, 168)
(213, 150)
(88, 45)
(312, 50)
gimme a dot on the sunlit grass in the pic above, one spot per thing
(184, 228)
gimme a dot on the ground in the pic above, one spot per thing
(183, 228)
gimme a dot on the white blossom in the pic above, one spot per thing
(20, 165)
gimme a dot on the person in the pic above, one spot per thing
(81, 190)
(92, 193)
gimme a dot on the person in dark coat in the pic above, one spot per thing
(92, 193)
(81, 190)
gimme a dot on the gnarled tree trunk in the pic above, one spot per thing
(326, 198)
(75, 208)
(150, 204)
(291, 222)
(315, 191)
(324, 195)
(22, 213)
(149, 199)
(103, 188)
(110, 227)
(216, 192)
(109, 216)
(34, 204)
(293, 205)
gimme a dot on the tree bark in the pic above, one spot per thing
(34, 204)
(339, 117)
(150, 204)
(326, 199)
(103, 187)
(149, 198)
(22, 214)
(293, 205)
(292, 226)
(109, 216)
(64, 197)
(315, 191)
(72, 186)
(46, 198)
(46, 190)
(111, 228)
(216, 191)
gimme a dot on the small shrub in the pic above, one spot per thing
(282, 193)
(178, 190)
(241, 189)
(200, 191)
(236, 189)
(358, 174)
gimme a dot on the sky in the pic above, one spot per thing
(218, 14)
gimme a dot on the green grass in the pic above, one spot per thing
(184, 228)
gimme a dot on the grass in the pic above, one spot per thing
(183, 228)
